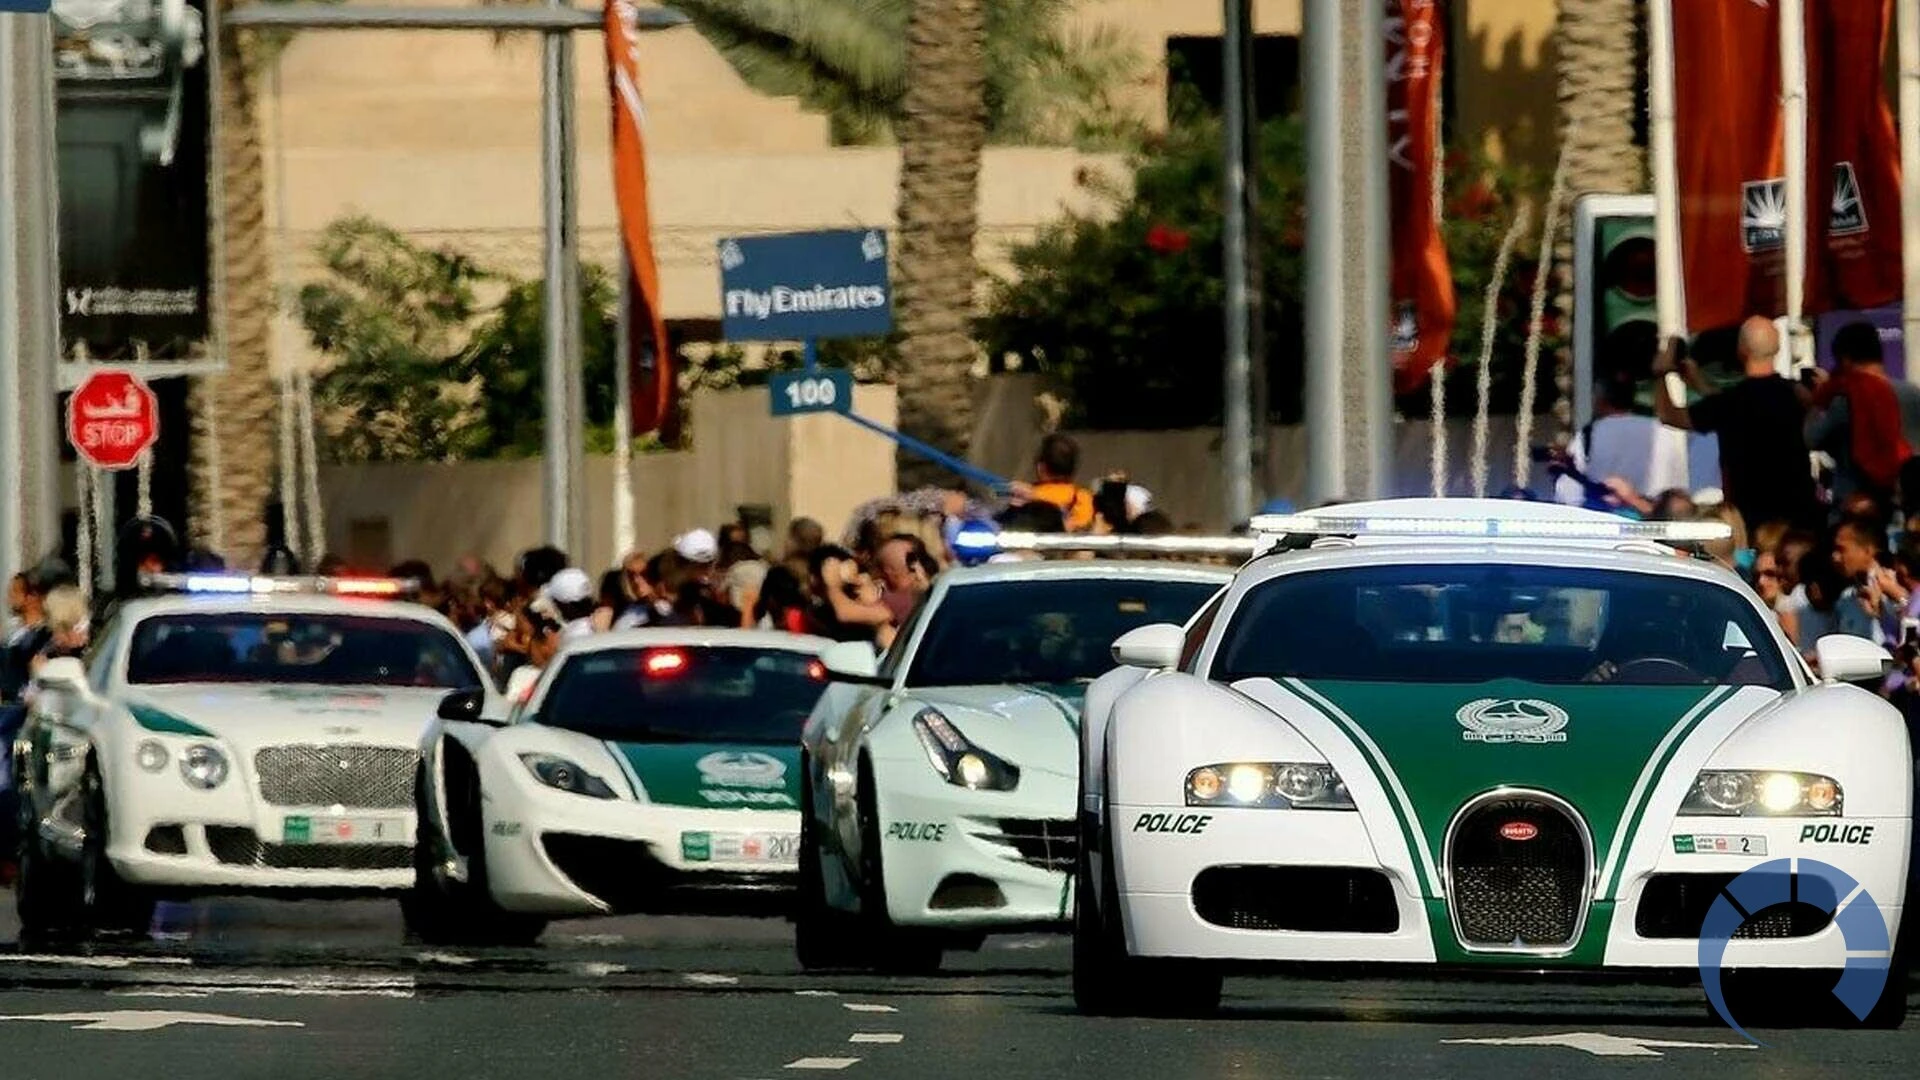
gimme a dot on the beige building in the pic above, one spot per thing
(437, 134)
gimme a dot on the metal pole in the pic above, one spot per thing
(561, 464)
(1669, 300)
(1237, 439)
(1908, 32)
(12, 402)
(1260, 395)
(623, 416)
(1320, 46)
(1375, 246)
(39, 200)
(1793, 81)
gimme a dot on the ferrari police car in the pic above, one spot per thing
(1490, 734)
(938, 780)
(649, 771)
(241, 734)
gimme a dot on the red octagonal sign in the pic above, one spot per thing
(112, 419)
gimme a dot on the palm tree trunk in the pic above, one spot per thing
(1597, 104)
(942, 134)
(233, 422)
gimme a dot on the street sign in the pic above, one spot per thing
(112, 418)
(823, 390)
(797, 286)
(26, 7)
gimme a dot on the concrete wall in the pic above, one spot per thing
(819, 466)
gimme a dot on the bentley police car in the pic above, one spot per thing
(938, 781)
(241, 734)
(1489, 734)
(650, 770)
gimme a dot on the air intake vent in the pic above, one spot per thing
(1519, 868)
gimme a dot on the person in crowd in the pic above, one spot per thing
(738, 585)
(1728, 552)
(846, 601)
(1856, 419)
(1054, 468)
(67, 626)
(1821, 584)
(417, 570)
(1154, 523)
(537, 566)
(782, 603)
(1871, 604)
(901, 587)
(612, 602)
(1765, 469)
(1769, 582)
(572, 595)
(1617, 442)
(31, 632)
(542, 635)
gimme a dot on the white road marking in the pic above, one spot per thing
(205, 985)
(150, 1020)
(1600, 1045)
(701, 978)
(262, 991)
(593, 939)
(816, 993)
(861, 1006)
(597, 968)
(451, 959)
(822, 1063)
(875, 1037)
(93, 961)
(1023, 943)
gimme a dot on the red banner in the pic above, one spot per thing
(654, 382)
(1732, 178)
(1422, 287)
(1853, 159)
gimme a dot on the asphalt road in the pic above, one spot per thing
(240, 989)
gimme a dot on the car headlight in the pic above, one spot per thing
(1268, 785)
(1762, 793)
(203, 766)
(151, 755)
(958, 761)
(558, 772)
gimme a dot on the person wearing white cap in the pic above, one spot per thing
(571, 593)
(697, 546)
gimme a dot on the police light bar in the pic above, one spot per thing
(1241, 547)
(1532, 528)
(265, 585)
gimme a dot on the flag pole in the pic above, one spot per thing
(623, 414)
(1908, 32)
(1793, 85)
(1669, 298)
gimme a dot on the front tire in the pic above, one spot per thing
(895, 950)
(823, 938)
(110, 903)
(441, 912)
(47, 890)
(1109, 982)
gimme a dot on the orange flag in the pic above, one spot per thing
(1423, 302)
(654, 384)
(1853, 160)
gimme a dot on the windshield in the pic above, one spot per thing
(1055, 631)
(1472, 623)
(745, 695)
(325, 650)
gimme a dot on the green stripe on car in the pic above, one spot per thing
(166, 723)
(716, 776)
(1657, 763)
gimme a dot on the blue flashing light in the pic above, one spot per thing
(975, 542)
(217, 583)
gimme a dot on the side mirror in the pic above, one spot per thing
(1156, 647)
(853, 662)
(63, 673)
(464, 706)
(1845, 658)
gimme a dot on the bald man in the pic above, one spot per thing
(1764, 467)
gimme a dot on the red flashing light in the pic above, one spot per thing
(367, 587)
(670, 662)
(816, 671)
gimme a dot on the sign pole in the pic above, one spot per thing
(13, 404)
(565, 502)
(812, 354)
(623, 415)
(1236, 445)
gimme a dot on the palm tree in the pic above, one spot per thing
(943, 132)
(232, 468)
(1598, 106)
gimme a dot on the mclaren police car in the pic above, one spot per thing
(938, 781)
(1488, 734)
(236, 734)
(649, 770)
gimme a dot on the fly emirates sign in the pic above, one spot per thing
(805, 286)
(783, 300)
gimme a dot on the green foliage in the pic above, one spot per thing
(1124, 310)
(423, 369)
(1046, 84)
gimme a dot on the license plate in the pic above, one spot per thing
(1719, 845)
(739, 847)
(344, 830)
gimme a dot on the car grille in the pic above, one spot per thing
(361, 777)
(1312, 899)
(1517, 894)
(1038, 842)
(237, 846)
(1675, 906)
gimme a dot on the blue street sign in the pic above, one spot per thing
(26, 7)
(797, 392)
(796, 286)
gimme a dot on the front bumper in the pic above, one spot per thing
(1650, 921)
(558, 854)
(988, 859)
(260, 855)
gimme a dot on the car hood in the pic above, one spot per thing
(255, 716)
(1030, 725)
(713, 776)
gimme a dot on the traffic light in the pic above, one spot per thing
(1616, 332)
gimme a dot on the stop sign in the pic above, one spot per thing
(112, 419)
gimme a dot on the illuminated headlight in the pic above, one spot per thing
(558, 772)
(203, 766)
(1757, 793)
(1269, 785)
(151, 756)
(957, 760)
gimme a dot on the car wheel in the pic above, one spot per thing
(894, 949)
(440, 912)
(822, 937)
(1107, 981)
(110, 904)
(47, 891)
